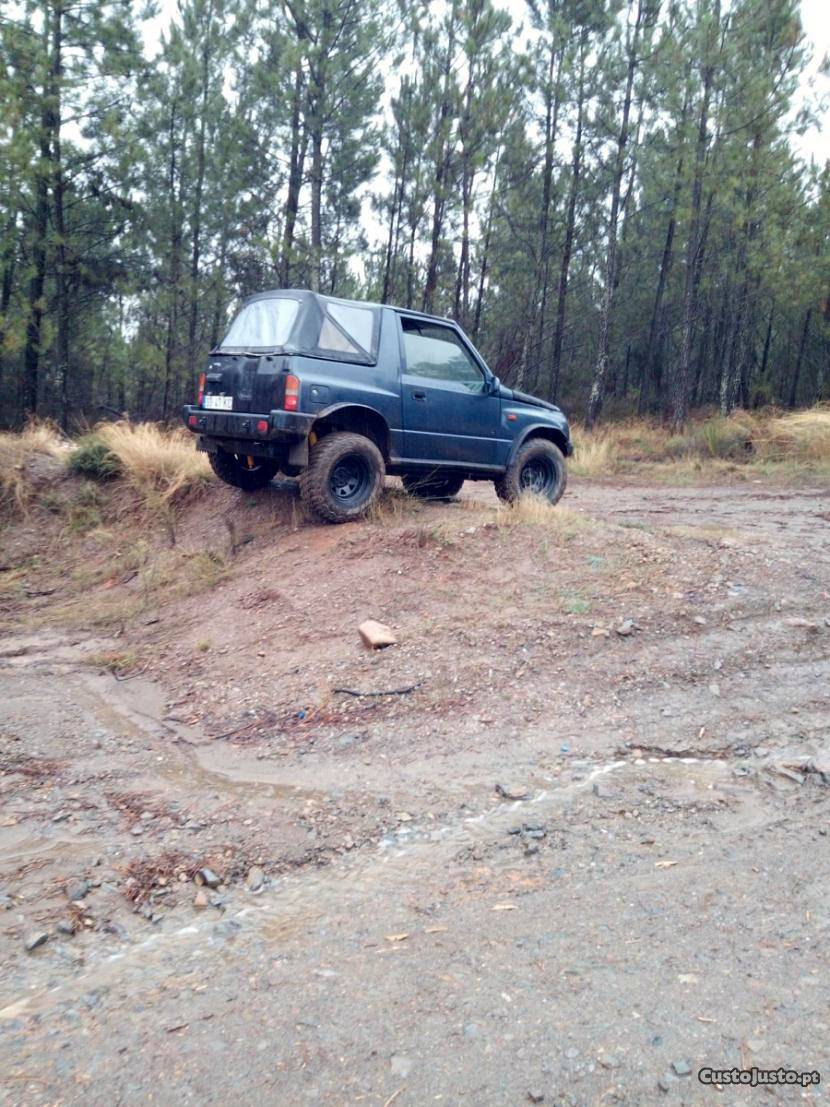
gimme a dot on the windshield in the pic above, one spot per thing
(262, 324)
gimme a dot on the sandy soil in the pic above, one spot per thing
(584, 856)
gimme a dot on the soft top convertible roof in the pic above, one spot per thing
(324, 326)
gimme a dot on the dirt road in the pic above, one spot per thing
(584, 857)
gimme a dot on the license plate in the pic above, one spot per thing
(219, 403)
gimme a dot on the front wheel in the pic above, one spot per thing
(344, 477)
(435, 485)
(538, 469)
(241, 471)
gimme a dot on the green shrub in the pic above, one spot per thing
(93, 458)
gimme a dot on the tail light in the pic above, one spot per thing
(292, 393)
(201, 390)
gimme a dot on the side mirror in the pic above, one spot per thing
(493, 385)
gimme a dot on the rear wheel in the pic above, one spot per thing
(241, 471)
(538, 469)
(435, 485)
(344, 477)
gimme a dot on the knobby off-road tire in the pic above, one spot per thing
(538, 469)
(234, 469)
(344, 477)
(438, 485)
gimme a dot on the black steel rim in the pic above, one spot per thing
(350, 479)
(538, 476)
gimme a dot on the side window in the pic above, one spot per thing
(347, 329)
(437, 353)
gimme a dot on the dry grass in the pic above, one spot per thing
(709, 447)
(595, 455)
(19, 457)
(800, 436)
(530, 510)
(161, 464)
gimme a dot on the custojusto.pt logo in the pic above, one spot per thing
(755, 1078)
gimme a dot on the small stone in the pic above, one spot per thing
(665, 1082)
(535, 1096)
(200, 900)
(137, 830)
(208, 877)
(603, 791)
(61, 817)
(376, 636)
(714, 689)
(404, 817)
(255, 879)
(682, 1068)
(76, 890)
(471, 1030)
(66, 927)
(701, 622)
(625, 628)
(512, 791)
(598, 632)
(35, 941)
(400, 1066)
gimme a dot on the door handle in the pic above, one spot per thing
(419, 395)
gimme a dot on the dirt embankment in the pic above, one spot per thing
(643, 674)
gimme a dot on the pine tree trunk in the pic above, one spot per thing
(552, 103)
(570, 229)
(655, 331)
(40, 227)
(442, 159)
(295, 178)
(694, 253)
(196, 244)
(799, 360)
(601, 369)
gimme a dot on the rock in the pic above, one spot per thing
(255, 879)
(66, 927)
(208, 877)
(200, 900)
(682, 1068)
(137, 830)
(603, 791)
(782, 770)
(804, 623)
(512, 791)
(376, 635)
(471, 1030)
(625, 628)
(35, 941)
(535, 1096)
(714, 689)
(701, 622)
(76, 890)
(665, 1082)
(227, 928)
(61, 817)
(598, 632)
(6, 902)
(400, 1066)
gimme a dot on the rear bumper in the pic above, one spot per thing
(245, 425)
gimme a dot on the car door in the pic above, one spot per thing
(448, 413)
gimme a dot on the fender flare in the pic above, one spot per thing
(553, 433)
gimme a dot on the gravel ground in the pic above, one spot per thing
(584, 858)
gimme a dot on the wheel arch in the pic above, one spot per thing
(542, 430)
(358, 419)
